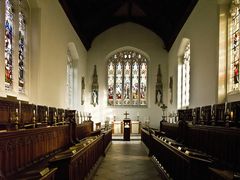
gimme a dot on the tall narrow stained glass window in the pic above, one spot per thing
(234, 69)
(21, 55)
(8, 44)
(111, 72)
(127, 82)
(127, 79)
(118, 88)
(184, 78)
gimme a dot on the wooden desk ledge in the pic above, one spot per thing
(223, 174)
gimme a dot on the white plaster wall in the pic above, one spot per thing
(127, 34)
(202, 30)
(51, 33)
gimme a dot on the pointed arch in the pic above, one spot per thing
(127, 69)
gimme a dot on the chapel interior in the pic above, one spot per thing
(119, 89)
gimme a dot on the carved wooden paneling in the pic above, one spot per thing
(181, 115)
(196, 115)
(176, 162)
(8, 113)
(26, 115)
(77, 165)
(170, 130)
(235, 113)
(4, 114)
(19, 149)
(205, 115)
(61, 115)
(52, 112)
(84, 129)
(220, 114)
(222, 143)
(188, 115)
(41, 113)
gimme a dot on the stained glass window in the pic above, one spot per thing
(127, 79)
(8, 45)
(127, 82)
(21, 52)
(135, 82)
(111, 72)
(119, 77)
(234, 70)
(143, 82)
(184, 78)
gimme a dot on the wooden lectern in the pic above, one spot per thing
(126, 128)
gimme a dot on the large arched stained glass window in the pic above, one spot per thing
(127, 78)
(21, 52)
(8, 44)
(234, 60)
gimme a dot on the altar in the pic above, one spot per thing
(118, 126)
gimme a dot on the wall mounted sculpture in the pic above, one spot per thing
(82, 93)
(159, 88)
(95, 87)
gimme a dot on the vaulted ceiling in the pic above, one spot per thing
(164, 17)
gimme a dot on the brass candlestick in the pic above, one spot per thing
(55, 118)
(16, 120)
(34, 118)
(46, 117)
(63, 114)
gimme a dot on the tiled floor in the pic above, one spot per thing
(126, 160)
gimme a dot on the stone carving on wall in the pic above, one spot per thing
(82, 93)
(95, 87)
(159, 88)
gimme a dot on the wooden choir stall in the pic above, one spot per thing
(203, 144)
(37, 141)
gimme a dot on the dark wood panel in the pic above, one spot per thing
(222, 143)
(84, 129)
(42, 114)
(76, 162)
(20, 149)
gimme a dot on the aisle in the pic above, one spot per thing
(126, 160)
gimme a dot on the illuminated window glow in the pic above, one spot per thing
(127, 79)
(184, 79)
(8, 45)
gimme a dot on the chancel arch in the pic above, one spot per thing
(127, 77)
